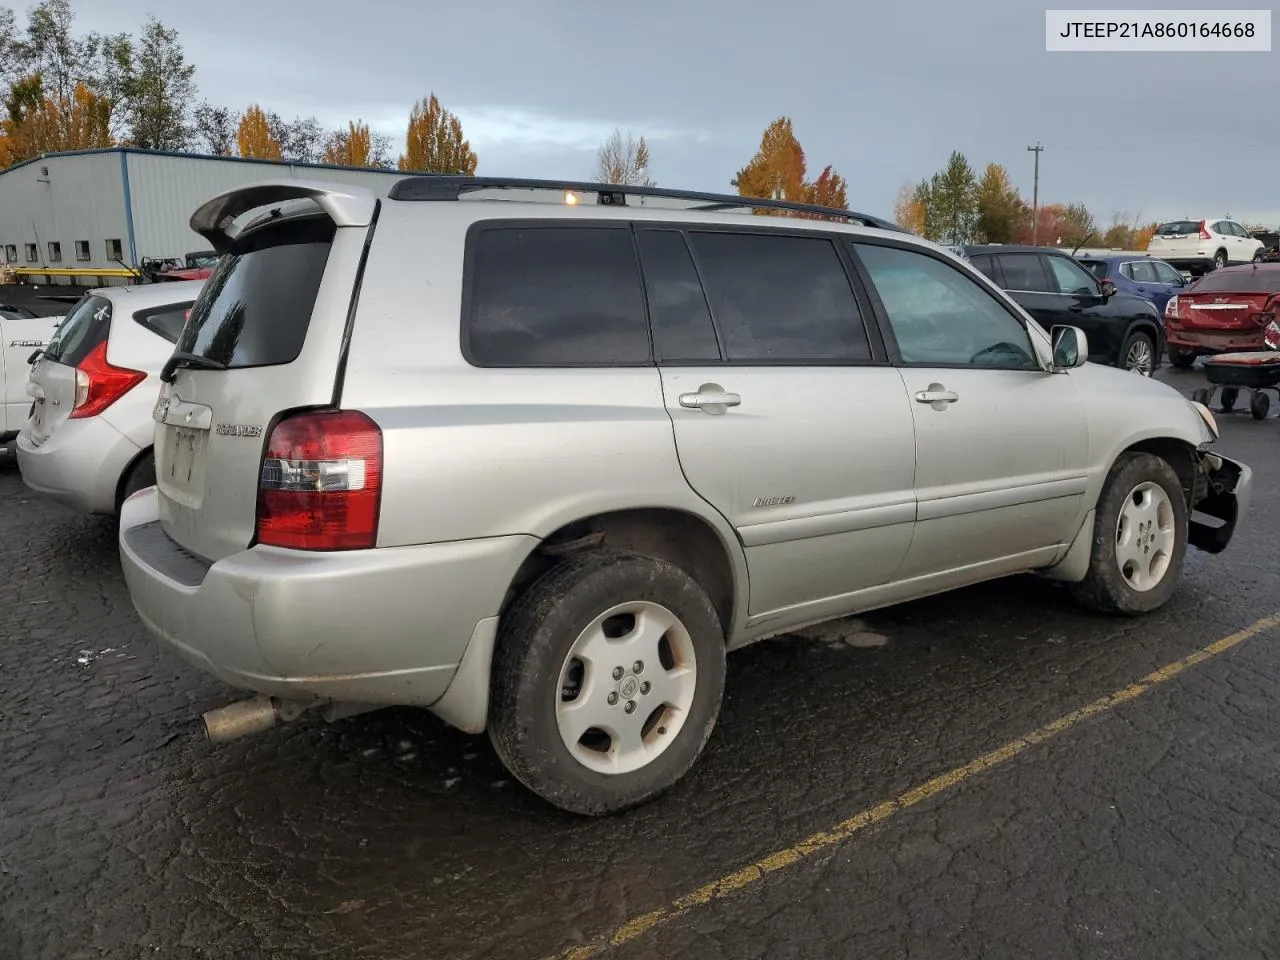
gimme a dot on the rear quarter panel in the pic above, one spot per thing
(471, 452)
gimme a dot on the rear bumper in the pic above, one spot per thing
(1229, 488)
(80, 464)
(1205, 342)
(386, 626)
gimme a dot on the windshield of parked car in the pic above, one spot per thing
(1178, 228)
(1244, 281)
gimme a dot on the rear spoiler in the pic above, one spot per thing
(346, 206)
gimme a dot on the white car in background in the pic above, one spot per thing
(22, 333)
(1199, 246)
(88, 440)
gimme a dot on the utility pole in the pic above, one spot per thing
(1035, 196)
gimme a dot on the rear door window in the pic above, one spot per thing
(678, 311)
(256, 308)
(780, 298)
(985, 265)
(85, 327)
(1143, 271)
(1070, 277)
(555, 296)
(1025, 272)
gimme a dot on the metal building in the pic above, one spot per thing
(93, 210)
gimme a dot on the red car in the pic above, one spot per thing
(1226, 310)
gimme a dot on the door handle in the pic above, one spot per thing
(937, 396)
(710, 398)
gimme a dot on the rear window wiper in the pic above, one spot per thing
(183, 359)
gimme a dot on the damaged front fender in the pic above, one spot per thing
(1222, 492)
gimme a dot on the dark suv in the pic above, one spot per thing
(1123, 330)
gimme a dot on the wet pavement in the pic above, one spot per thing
(1150, 830)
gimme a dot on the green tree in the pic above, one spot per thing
(159, 90)
(214, 129)
(953, 202)
(1077, 227)
(434, 142)
(1000, 208)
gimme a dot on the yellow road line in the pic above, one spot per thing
(825, 839)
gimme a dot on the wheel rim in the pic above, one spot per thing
(1145, 536)
(626, 687)
(1140, 357)
(1220, 261)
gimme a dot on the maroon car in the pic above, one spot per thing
(1224, 311)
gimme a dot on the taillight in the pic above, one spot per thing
(1171, 308)
(99, 384)
(1262, 319)
(1204, 234)
(321, 482)
(1271, 335)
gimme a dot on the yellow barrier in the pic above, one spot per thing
(75, 272)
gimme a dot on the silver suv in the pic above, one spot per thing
(534, 455)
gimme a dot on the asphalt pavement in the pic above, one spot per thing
(869, 791)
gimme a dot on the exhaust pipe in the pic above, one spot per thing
(248, 716)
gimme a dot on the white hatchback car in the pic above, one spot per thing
(1199, 246)
(88, 439)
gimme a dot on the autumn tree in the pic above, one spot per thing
(778, 171)
(434, 142)
(1077, 227)
(909, 208)
(254, 136)
(624, 160)
(1000, 208)
(214, 129)
(829, 190)
(356, 147)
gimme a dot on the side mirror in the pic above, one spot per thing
(1070, 348)
(1108, 289)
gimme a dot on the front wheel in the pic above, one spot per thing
(1260, 406)
(1139, 354)
(1139, 538)
(607, 680)
(1182, 359)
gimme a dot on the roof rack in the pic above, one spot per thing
(448, 187)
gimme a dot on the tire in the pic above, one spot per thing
(533, 670)
(1201, 396)
(1108, 588)
(1139, 354)
(1229, 397)
(1182, 359)
(1258, 255)
(142, 474)
(1260, 406)
(1219, 259)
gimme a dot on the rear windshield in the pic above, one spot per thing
(85, 327)
(1097, 267)
(1178, 228)
(1245, 281)
(255, 309)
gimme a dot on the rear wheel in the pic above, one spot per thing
(1182, 359)
(1139, 354)
(607, 680)
(1259, 406)
(1139, 538)
(1219, 259)
(142, 474)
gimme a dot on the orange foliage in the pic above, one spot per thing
(434, 142)
(777, 172)
(254, 136)
(352, 147)
(37, 124)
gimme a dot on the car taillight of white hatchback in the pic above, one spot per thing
(99, 383)
(320, 487)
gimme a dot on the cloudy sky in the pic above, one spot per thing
(883, 91)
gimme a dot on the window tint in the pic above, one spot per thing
(87, 325)
(556, 296)
(682, 328)
(985, 265)
(1261, 280)
(165, 321)
(1099, 268)
(780, 298)
(1219, 227)
(1143, 271)
(1024, 271)
(255, 309)
(1178, 228)
(1071, 277)
(941, 317)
